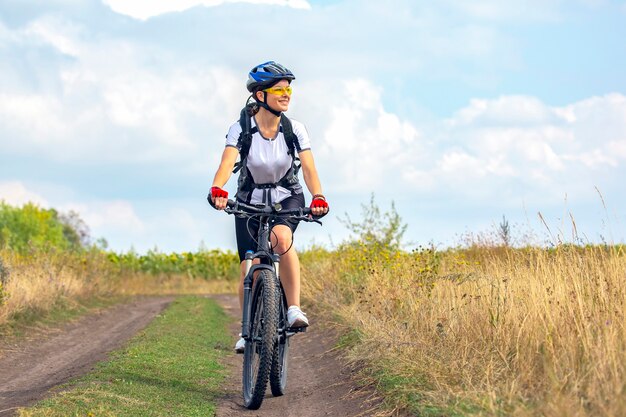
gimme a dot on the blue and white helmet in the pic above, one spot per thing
(267, 74)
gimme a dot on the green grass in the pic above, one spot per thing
(170, 369)
(411, 392)
(393, 387)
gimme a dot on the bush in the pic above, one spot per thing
(31, 227)
(382, 230)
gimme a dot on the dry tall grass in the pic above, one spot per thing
(38, 281)
(485, 331)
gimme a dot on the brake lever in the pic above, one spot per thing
(232, 208)
(309, 219)
(234, 211)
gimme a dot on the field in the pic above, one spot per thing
(39, 282)
(482, 329)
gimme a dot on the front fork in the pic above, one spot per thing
(247, 288)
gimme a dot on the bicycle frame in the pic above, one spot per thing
(269, 261)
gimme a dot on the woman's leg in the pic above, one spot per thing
(281, 239)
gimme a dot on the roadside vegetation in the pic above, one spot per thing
(48, 264)
(482, 329)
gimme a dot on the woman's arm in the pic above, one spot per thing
(229, 157)
(311, 179)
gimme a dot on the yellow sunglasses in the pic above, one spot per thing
(279, 91)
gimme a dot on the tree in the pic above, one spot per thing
(32, 227)
(504, 232)
(376, 228)
(75, 229)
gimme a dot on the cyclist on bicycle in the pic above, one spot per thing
(269, 175)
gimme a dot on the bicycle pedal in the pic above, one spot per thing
(294, 330)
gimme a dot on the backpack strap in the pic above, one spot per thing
(290, 137)
(293, 145)
(245, 138)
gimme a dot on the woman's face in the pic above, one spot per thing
(278, 102)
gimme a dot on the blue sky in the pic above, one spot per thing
(460, 112)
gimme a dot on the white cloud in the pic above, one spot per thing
(57, 32)
(361, 147)
(456, 162)
(361, 140)
(517, 142)
(145, 9)
(520, 139)
(618, 148)
(5, 33)
(108, 105)
(595, 158)
(508, 110)
(108, 216)
(16, 194)
(176, 225)
(20, 111)
(168, 225)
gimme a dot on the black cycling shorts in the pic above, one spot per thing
(247, 240)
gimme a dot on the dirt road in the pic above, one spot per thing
(32, 367)
(319, 383)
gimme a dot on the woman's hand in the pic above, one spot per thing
(319, 206)
(219, 198)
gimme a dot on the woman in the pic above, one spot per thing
(269, 175)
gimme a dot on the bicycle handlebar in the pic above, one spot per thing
(300, 213)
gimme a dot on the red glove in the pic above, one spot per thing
(319, 202)
(217, 192)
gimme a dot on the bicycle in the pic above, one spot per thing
(264, 321)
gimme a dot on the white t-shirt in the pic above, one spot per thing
(268, 158)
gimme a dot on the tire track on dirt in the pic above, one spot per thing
(319, 384)
(29, 369)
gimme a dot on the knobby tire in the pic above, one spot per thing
(278, 373)
(259, 350)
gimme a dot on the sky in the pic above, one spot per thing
(458, 112)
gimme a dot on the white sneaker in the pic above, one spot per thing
(240, 345)
(296, 318)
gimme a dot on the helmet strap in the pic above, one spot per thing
(266, 106)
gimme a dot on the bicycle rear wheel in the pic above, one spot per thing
(259, 350)
(280, 362)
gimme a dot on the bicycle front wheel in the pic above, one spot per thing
(259, 350)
